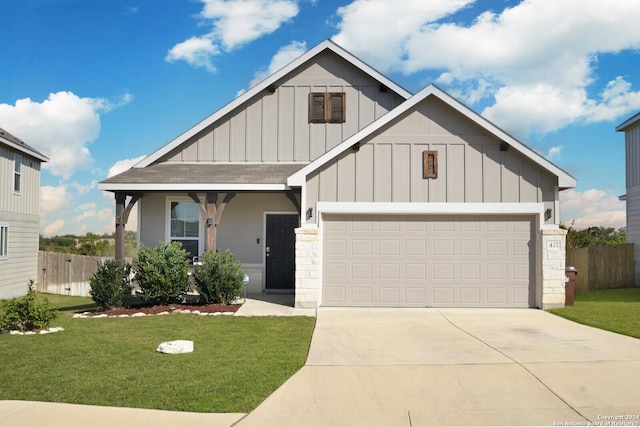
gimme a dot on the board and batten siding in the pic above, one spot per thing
(274, 126)
(28, 200)
(471, 166)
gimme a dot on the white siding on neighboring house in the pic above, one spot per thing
(19, 214)
(28, 201)
(632, 151)
(21, 262)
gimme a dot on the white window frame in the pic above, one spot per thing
(17, 173)
(168, 234)
(4, 241)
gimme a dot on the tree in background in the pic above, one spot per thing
(595, 236)
(90, 244)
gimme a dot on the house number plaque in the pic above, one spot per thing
(553, 245)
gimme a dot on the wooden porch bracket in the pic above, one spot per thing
(291, 196)
(122, 216)
(212, 214)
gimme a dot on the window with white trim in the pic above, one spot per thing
(4, 241)
(17, 173)
(184, 226)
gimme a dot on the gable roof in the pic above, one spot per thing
(564, 179)
(264, 84)
(19, 145)
(630, 121)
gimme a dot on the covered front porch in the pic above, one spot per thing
(246, 209)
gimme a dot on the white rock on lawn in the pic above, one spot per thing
(176, 347)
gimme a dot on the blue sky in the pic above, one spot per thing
(97, 84)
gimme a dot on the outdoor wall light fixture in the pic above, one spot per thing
(309, 213)
(547, 214)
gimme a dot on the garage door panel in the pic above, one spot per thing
(421, 261)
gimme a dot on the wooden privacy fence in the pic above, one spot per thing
(66, 274)
(603, 267)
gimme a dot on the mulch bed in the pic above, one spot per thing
(172, 308)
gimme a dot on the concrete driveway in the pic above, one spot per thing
(418, 367)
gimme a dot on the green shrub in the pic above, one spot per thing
(25, 314)
(110, 283)
(219, 278)
(161, 272)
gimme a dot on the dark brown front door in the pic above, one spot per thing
(280, 251)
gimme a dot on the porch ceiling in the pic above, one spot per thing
(175, 176)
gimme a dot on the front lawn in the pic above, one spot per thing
(616, 310)
(237, 361)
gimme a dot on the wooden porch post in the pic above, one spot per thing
(122, 216)
(212, 214)
(120, 201)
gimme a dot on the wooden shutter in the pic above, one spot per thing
(429, 164)
(316, 108)
(336, 107)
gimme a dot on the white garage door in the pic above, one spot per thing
(432, 261)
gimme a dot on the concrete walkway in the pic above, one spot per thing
(405, 367)
(420, 367)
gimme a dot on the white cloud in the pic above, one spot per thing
(197, 51)
(53, 228)
(592, 208)
(123, 165)
(61, 127)
(362, 21)
(234, 23)
(54, 200)
(106, 214)
(536, 58)
(87, 206)
(553, 152)
(284, 56)
(85, 215)
(84, 189)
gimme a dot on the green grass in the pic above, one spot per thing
(615, 310)
(237, 361)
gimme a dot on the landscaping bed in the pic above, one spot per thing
(170, 308)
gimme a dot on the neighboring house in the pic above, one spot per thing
(344, 188)
(19, 214)
(631, 129)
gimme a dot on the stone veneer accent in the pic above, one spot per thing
(307, 267)
(553, 264)
(552, 261)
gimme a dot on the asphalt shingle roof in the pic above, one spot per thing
(21, 145)
(207, 173)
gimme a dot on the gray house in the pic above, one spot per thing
(329, 180)
(19, 214)
(631, 129)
